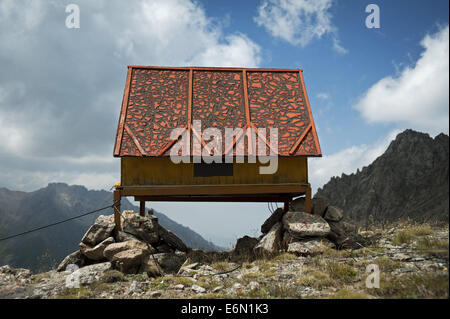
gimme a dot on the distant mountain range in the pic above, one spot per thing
(410, 180)
(38, 251)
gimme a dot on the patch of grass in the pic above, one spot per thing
(99, 287)
(162, 283)
(207, 284)
(341, 272)
(265, 266)
(316, 279)
(407, 235)
(75, 293)
(281, 291)
(251, 276)
(429, 285)
(183, 281)
(221, 266)
(269, 274)
(432, 244)
(386, 264)
(259, 293)
(37, 278)
(111, 276)
(348, 294)
(284, 257)
(247, 265)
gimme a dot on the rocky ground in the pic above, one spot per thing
(412, 259)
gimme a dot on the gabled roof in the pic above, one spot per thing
(159, 99)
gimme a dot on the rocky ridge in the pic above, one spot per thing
(410, 180)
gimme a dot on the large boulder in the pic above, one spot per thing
(123, 236)
(142, 227)
(129, 261)
(99, 231)
(96, 252)
(319, 205)
(333, 214)
(244, 246)
(271, 242)
(75, 258)
(87, 275)
(116, 248)
(301, 224)
(309, 247)
(297, 205)
(171, 239)
(286, 240)
(151, 267)
(343, 234)
(170, 262)
(272, 220)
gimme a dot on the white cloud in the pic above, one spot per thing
(346, 161)
(299, 21)
(418, 96)
(61, 89)
(323, 96)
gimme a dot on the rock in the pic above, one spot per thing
(244, 246)
(319, 205)
(150, 267)
(164, 248)
(142, 227)
(197, 256)
(99, 231)
(237, 286)
(343, 234)
(187, 266)
(301, 224)
(178, 287)
(198, 289)
(115, 248)
(170, 262)
(95, 253)
(155, 294)
(272, 220)
(171, 239)
(87, 275)
(253, 285)
(271, 242)
(217, 289)
(286, 240)
(123, 236)
(75, 258)
(129, 261)
(112, 276)
(310, 247)
(297, 205)
(333, 214)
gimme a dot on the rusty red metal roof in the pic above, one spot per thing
(159, 99)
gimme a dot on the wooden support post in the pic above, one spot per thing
(286, 206)
(308, 206)
(142, 208)
(117, 198)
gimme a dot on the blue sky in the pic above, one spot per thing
(372, 55)
(61, 89)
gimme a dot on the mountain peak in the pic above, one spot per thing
(409, 180)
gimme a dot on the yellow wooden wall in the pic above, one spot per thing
(142, 171)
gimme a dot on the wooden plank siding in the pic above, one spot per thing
(151, 171)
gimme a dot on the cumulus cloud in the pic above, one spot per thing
(418, 96)
(347, 160)
(61, 89)
(299, 21)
